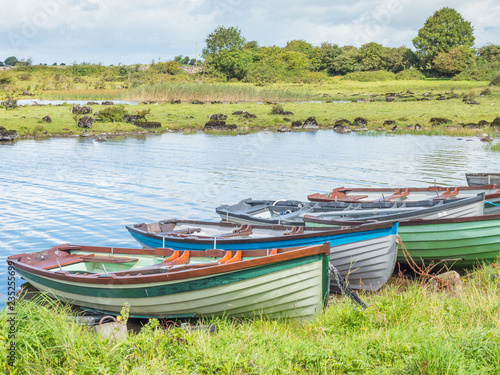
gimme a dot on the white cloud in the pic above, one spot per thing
(112, 31)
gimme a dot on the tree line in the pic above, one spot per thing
(443, 47)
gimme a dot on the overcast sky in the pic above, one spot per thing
(138, 31)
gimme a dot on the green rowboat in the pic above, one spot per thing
(460, 242)
(164, 283)
(456, 242)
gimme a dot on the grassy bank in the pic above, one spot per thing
(401, 103)
(339, 88)
(27, 120)
(405, 330)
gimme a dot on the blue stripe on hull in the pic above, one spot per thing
(335, 240)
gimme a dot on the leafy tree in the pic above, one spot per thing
(261, 73)
(347, 61)
(300, 46)
(490, 53)
(192, 62)
(1, 63)
(324, 57)
(122, 71)
(454, 61)
(185, 61)
(398, 59)
(222, 53)
(294, 61)
(26, 62)
(221, 39)
(12, 60)
(370, 56)
(169, 67)
(178, 59)
(252, 45)
(443, 31)
(233, 64)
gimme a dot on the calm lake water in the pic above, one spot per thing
(84, 192)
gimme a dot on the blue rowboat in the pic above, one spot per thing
(364, 255)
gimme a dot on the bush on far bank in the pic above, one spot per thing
(379, 75)
(496, 81)
(410, 75)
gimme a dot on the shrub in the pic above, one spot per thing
(380, 75)
(6, 79)
(143, 113)
(112, 114)
(261, 73)
(85, 69)
(276, 109)
(483, 72)
(25, 77)
(169, 67)
(410, 75)
(496, 81)
(310, 77)
(473, 75)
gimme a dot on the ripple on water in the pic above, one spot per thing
(85, 192)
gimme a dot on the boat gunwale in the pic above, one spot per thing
(321, 197)
(442, 204)
(181, 275)
(418, 221)
(316, 232)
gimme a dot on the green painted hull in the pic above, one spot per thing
(461, 244)
(296, 288)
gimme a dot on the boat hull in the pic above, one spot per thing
(293, 287)
(458, 243)
(365, 195)
(254, 213)
(365, 257)
(461, 243)
(478, 179)
(366, 265)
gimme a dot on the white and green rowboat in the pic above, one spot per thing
(461, 242)
(164, 283)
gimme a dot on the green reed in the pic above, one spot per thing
(207, 92)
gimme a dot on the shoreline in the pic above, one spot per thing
(486, 135)
(40, 122)
(392, 107)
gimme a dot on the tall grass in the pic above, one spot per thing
(494, 147)
(165, 92)
(410, 330)
(83, 94)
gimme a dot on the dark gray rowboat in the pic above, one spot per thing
(265, 212)
(478, 179)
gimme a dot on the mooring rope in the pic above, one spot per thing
(344, 287)
(415, 267)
